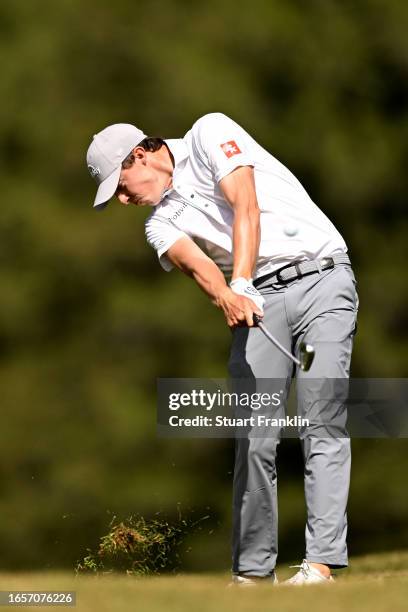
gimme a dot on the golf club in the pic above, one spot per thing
(306, 351)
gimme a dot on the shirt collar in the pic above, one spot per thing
(179, 151)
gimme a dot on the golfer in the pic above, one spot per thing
(231, 216)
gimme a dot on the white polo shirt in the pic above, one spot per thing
(292, 226)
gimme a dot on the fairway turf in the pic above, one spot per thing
(375, 583)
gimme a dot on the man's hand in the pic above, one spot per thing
(242, 286)
(238, 309)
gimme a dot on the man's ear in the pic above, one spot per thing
(140, 154)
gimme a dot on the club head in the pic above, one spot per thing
(306, 356)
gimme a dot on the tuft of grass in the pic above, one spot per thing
(138, 547)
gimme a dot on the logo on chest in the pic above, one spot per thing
(177, 213)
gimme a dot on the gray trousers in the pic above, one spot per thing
(321, 309)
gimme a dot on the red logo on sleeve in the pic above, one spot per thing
(230, 148)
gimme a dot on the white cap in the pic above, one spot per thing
(105, 155)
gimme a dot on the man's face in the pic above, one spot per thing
(141, 184)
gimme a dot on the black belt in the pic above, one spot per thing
(299, 268)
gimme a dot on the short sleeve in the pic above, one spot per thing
(161, 235)
(224, 144)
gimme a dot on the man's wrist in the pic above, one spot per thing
(219, 296)
(240, 279)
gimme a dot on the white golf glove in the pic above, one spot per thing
(243, 286)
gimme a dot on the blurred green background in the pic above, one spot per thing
(88, 320)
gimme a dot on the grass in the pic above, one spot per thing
(138, 547)
(376, 583)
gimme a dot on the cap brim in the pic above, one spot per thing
(107, 189)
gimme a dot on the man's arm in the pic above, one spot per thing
(190, 259)
(238, 189)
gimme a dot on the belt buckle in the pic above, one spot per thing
(293, 264)
(327, 263)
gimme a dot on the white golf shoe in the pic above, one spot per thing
(307, 574)
(250, 581)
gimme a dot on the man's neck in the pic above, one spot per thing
(168, 164)
(170, 155)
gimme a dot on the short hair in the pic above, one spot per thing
(150, 144)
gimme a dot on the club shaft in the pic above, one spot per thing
(278, 344)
